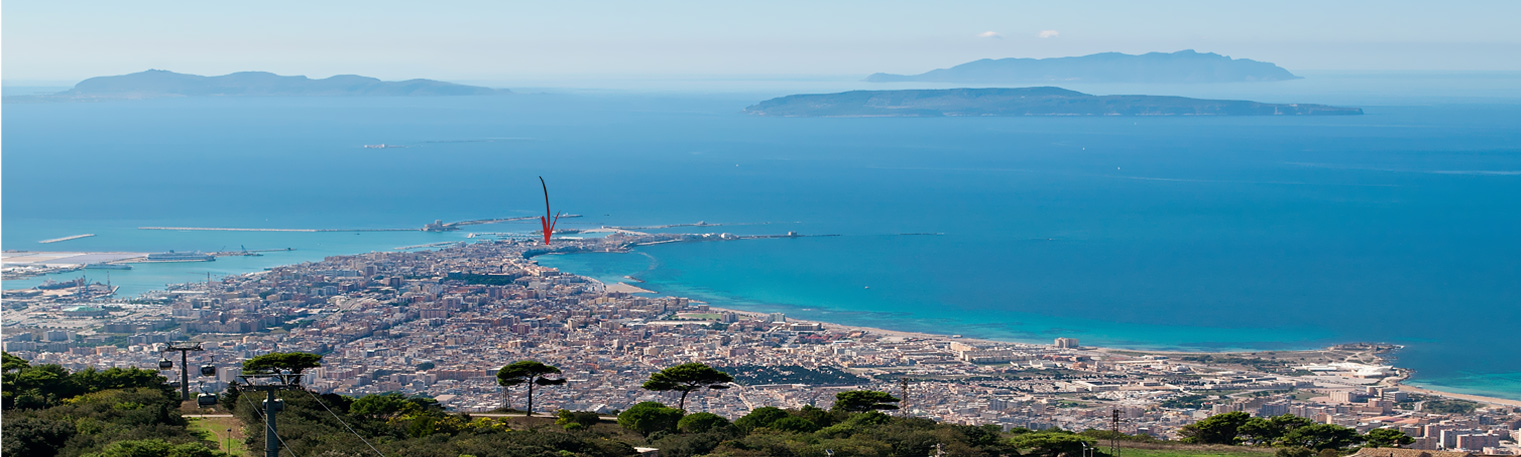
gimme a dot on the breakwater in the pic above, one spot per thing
(66, 238)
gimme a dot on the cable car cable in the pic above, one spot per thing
(260, 415)
(345, 424)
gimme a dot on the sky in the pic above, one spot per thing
(64, 42)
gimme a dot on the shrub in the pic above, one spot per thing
(701, 422)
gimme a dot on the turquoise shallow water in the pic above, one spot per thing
(1201, 233)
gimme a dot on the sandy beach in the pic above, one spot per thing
(905, 334)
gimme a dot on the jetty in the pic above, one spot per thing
(239, 229)
(435, 226)
(70, 237)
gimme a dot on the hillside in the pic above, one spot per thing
(1029, 101)
(161, 83)
(1186, 66)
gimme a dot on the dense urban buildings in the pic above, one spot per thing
(440, 323)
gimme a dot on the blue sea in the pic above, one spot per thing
(1228, 233)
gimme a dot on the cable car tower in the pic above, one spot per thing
(184, 349)
(269, 383)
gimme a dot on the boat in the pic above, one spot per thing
(107, 266)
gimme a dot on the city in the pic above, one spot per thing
(440, 323)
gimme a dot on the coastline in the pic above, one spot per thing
(1397, 381)
(1404, 374)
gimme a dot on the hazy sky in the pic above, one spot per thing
(505, 41)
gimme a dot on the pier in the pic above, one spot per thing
(435, 226)
(70, 237)
(236, 229)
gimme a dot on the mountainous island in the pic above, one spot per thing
(161, 83)
(1186, 66)
(1028, 101)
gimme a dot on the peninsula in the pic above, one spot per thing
(1027, 101)
(1182, 67)
(161, 83)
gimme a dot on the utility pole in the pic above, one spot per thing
(184, 366)
(271, 382)
(1114, 440)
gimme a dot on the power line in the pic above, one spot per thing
(345, 424)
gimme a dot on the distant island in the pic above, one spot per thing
(1028, 101)
(1186, 66)
(161, 83)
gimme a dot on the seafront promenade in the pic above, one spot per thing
(440, 322)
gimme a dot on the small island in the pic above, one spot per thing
(1028, 101)
(1182, 67)
(161, 83)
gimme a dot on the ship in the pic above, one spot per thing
(172, 256)
(107, 266)
(55, 285)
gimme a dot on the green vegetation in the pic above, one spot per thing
(650, 417)
(1385, 437)
(528, 372)
(319, 425)
(860, 401)
(702, 422)
(1186, 402)
(576, 420)
(1290, 432)
(751, 375)
(686, 378)
(128, 413)
(227, 432)
(1258, 364)
(1202, 451)
(1449, 407)
(49, 411)
(272, 362)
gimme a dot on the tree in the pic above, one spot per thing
(1387, 437)
(701, 422)
(277, 361)
(860, 401)
(1216, 429)
(1051, 444)
(761, 417)
(1264, 431)
(529, 372)
(650, 417)
(1321, 437)
(581, 419)
(794, 424)
(156, 448)
(1293, 452)
(382, 405)
(12, 363)
(687, 378)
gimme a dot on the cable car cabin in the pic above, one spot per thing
(208, 370)
(204, 400)
(165, 364)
